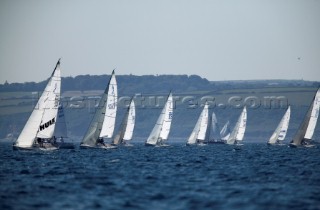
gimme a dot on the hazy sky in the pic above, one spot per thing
(216, 39)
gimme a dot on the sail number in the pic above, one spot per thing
(170, 115)
(111, 106)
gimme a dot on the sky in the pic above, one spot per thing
(215, 39)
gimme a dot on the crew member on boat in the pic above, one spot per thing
(100, 141)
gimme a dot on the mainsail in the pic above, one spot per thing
(41, 122)
(238, 131)
(308, 125)
(127, 125)
(111, 109)
(280, 133)
(61, 127)
(102, 113)
(160, 131)
(225, 131)
(200, 129)
(215, 127)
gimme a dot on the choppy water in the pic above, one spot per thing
(177, 177)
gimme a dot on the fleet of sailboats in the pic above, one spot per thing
(160, 131)
(103, 122)
(39, 129)
(46, 127)
(305, 132)
(280, 133)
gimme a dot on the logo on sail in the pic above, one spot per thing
(47, 124)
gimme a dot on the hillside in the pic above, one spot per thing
(81, 94)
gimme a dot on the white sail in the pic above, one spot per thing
(111, 109)
(127, 125)
(200, 129)
(162, 127)
(61, 127)
(225, 131)
(130, 122)
(281, 130)
(95, 127)
(306, 129)
(239, 130)
(314, 116)
(165, 130)
(42, 120)
(215, 126)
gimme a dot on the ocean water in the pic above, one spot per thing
(254, 176)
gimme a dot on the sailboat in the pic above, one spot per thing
(38, 131)
(103, 122)
(60, 132)
(198, 135)
(280, 133)
(238, 132)
(216, 136)
(225, 132)
(160, 131)
(127, 126)
(304, 134)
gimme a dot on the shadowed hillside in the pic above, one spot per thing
(80, 95)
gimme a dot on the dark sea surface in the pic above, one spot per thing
(254, 176)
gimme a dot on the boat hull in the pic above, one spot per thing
(149, 145)
(35, 147)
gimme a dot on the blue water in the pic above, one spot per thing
(256, 176)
